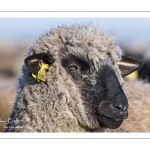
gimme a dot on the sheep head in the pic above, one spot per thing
(102, 96)
(90, 72)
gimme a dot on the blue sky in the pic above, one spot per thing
(126, 29)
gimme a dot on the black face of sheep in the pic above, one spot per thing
(101, 92)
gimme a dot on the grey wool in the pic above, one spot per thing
(57, 104)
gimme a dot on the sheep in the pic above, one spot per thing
(11, 55)
(72, 81)
(144, 72)
(142, 53)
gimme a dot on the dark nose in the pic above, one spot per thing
(122, 108)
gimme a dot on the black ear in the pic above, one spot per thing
(129, 64)
(35, 61)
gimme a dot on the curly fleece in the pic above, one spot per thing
(57, 105)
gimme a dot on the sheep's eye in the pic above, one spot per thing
(72, 67)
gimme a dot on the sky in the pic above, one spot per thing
(125, 29)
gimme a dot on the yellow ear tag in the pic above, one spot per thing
(42, 73)
(115, 65)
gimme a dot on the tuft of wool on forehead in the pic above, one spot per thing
(83, 36)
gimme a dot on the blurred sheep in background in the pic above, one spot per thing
(11, 58)
(141, 51)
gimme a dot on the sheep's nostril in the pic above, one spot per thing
(120, 107)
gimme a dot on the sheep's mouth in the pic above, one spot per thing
(109, 122)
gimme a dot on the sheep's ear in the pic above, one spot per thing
(129, 64)
(35, 61)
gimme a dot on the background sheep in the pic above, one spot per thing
(142, 52)
(144, 72)
(82, 91)
(11, 56)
